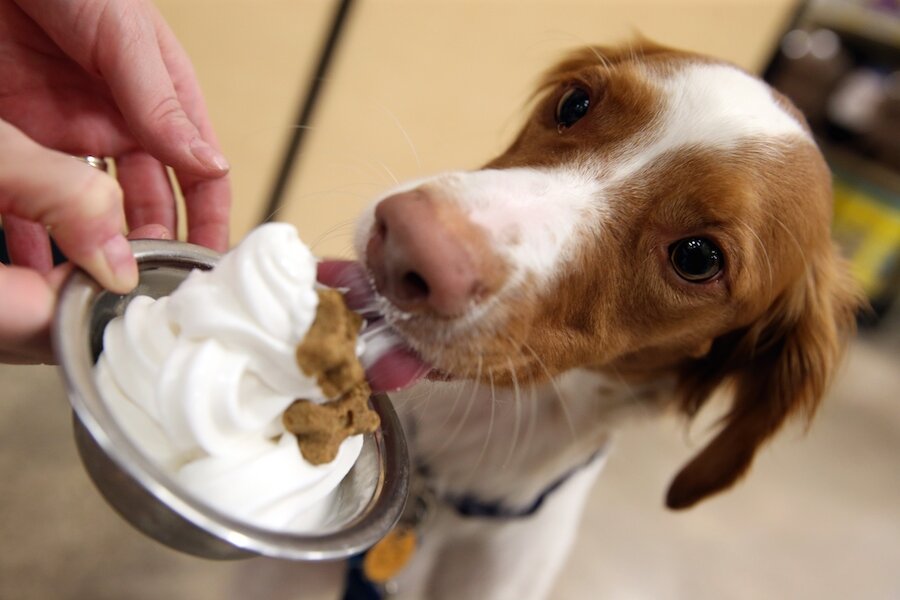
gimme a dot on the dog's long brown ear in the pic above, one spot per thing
(778, 366)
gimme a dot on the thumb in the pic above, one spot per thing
(81, 206)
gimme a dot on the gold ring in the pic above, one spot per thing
(98, 162)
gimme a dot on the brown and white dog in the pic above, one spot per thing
(658, 230)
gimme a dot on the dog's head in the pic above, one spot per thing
(659, 214)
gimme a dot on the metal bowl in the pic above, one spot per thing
(366, 505)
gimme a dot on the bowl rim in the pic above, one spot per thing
(70, 335)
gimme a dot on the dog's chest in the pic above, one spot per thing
(508, 444)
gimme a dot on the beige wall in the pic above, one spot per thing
(253, 58)
(418, 86)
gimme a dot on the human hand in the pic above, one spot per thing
(83, 208)
(107, 78)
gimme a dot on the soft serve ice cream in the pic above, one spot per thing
(201, 381)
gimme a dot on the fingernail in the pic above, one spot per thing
(121, 264)
(211, 158)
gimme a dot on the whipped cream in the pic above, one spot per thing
(199, 380)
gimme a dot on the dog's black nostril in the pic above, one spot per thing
(413, 286)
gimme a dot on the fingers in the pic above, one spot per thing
(207, 200)
(207, 203)
(149, 200)
(117, 39)
(184, 81)
(140, 81)
(27, 243)
(150, 232)
(25, 315)
(129, 45)
(81, 206)
(207, 194)
(148, 192)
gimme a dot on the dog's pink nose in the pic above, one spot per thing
(426, 256)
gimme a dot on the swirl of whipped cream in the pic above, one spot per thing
(260, 297)
(199, 380)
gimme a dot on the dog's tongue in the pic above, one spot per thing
(397, 368)
(390, 364)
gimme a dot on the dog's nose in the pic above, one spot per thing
(427, 256)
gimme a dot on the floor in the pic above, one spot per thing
(819, 517)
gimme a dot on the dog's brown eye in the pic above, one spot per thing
(696, 259)
(573, 105)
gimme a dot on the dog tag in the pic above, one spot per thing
(386, 558)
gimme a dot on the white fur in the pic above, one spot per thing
(463, 557)
(707, 106)
(533, 215)
(507, 445)
(481, 440)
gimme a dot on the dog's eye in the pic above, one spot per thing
(696, 259)
(572, 106)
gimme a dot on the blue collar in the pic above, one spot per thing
(469, 505)
(358, 586)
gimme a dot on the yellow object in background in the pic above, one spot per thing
(868, 229)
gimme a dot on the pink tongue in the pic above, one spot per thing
(350, 277)
(398, 367)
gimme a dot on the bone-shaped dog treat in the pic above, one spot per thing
(320, 428)
(328, 353)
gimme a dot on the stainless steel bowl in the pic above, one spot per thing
(366, 505)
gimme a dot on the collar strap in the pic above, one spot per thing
(470, 506)
(359, 587)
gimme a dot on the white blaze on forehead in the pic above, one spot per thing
(531, 214)
(708, 106)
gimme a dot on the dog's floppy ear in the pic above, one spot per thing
(779, 365)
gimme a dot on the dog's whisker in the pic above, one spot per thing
(338, 229)
(604, 62)
(630, 397)
(374, 331)
(344, 190)
(387, 170)
(453, 406)
(405, 133)
(271, 216)
(794, 239)
(370, 309)
(517, 420)
(584, 43)
(490, 426)
(421, 403)
(762, 249)
(465, 416)
(559, 395)
(532, 415)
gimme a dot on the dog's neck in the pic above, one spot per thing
(507, 444)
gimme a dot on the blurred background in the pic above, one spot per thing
(420, 86)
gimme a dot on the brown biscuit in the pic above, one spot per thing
(320, 428)
(328, 353)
